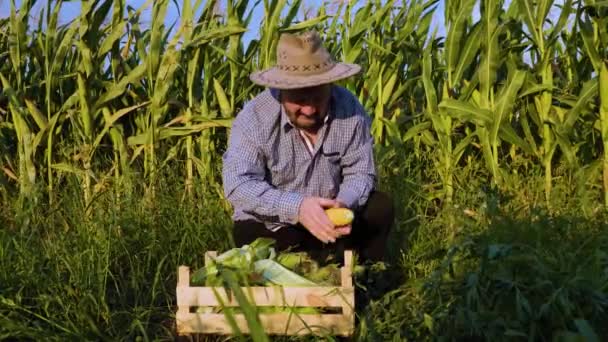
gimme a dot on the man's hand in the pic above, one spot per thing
(312, 216)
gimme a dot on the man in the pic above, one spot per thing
(300, 147)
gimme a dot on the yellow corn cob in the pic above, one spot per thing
(340, 216)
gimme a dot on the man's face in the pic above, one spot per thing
(307, 107)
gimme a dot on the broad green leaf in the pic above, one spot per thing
(528, 17)
(417, 129)
(85, 112)
(112, 119)
(387, 91)
(392, 131)
(293, 11)
(585, 97)
(117, 32)
(168, 132)
(64, 47)
(528, 132)
(565, 12)
(456, 31)
(429, 87)
(119, 88)
(490, 56)
(467, 54)
(466, 112)
(537, 88)
(505, 102)
(461, 147)
(508, 134)
(566, 148)
(542, 9)
(222, 99)
(39, 118)
(69, 168)
(305, 24)
(207, 36)
(586, 28)
(159, 10)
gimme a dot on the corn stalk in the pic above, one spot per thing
(594, 31)
(107, 95)
(534, 15)
(457, 59)
(14, 87)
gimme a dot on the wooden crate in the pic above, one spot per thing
(340, 297)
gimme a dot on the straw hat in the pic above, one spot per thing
(302, 62)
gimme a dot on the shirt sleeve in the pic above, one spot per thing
(244, 181)
(358, 168)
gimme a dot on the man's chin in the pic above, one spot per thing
(308, 124)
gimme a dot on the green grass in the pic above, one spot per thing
(504, 268)
(107, 275)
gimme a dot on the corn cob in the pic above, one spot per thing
(340, 216)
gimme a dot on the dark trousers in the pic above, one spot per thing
(368, 237)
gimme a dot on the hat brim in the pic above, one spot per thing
(278, 79)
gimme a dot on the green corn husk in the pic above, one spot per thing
(262, 248)
(204, 276)
(292, 260)
(277, 274)
(258, 264)
(326, 275)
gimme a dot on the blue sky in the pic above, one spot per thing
(71, 9)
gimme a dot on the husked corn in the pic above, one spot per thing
(340, 216)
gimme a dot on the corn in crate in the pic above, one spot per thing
(322, 303)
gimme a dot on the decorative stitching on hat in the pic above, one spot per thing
(315, 67)
(288, 83)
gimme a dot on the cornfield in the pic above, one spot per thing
(105, 99)
(114, 102)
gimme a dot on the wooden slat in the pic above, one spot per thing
(347, 282)
(269, 296)
(274, 324)
(346, 271)
(183, 280)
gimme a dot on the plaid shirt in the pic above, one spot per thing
(268, 169)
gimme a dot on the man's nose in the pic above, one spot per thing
(308, 110)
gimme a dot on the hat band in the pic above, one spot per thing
(307, 69)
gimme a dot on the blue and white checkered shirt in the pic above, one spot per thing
(268, 169)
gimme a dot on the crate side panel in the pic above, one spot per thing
(274, 324)
(269, 296)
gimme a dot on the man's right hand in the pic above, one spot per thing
(312, 216)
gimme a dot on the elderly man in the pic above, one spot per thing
(301, 146)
